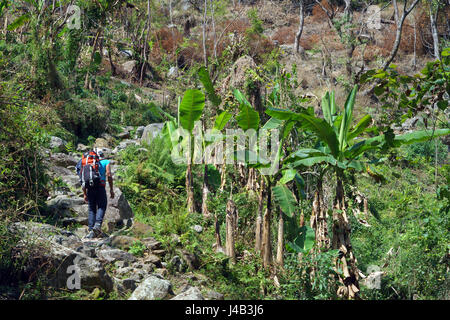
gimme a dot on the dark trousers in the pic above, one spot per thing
(97, 206)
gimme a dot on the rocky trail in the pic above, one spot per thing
(105, 263)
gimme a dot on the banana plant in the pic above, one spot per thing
(190, 110)
(340, 149)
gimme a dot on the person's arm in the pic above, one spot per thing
(110, 181)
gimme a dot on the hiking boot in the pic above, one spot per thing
(90, 235)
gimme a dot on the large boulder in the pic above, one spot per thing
(101, 143)
(66, 175)
(63, 160)
(123, 242)
(64, 256)
(124, 144)
(91, 272)
(118, 208)
(152, 288)
(193, 293)
(62, 206)
(111, 255)
(151, 131)
(139, 132)
(129, 66)
(57, 144)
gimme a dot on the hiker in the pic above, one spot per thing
(93, 170)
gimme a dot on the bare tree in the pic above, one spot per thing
(205, 57)
(145, 44)
(434, 9)
(300, 27)
(399, 21)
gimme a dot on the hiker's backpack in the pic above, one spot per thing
(89, 173)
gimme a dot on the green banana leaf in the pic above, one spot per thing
(322, 129)
(205, 79)
(191, 108)
(285, 199)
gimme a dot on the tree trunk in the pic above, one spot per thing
(113, 67)
(141, 77)
(434, 31)
(223, 176)
(87, 82)
(266, 237)
(205, 192)
(398, 34)
(319, 219)
(258, 231)
(205, 57)
(231, 223)
(300, 27)
(346, 261)
(251, 181)
(280, 245)
(190, 188)
(218, 245)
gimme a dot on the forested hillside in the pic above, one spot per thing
(279, 150)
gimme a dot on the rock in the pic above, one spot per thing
(101, 143)
(190, 259)
(213, 295)
(151, 131)
(176, 263)
(49, 233)
(126, 53)
(129, 66)
(287, 49)
(112, 255)
(64, 202)
(82, 148)
(109, 138)
(57, 144)
(69, 177)
(162, 272)
(173, 72)
(151, 243)
(192, 293)
(81, 232)
(129, 284)
(60, 206)
(373, 280)
(63, 160)
(124, 144)
(161, 252)
(118, 208)
(197, 228)
(124, 271)
(139, 132)
(124, 135)
(90, 252)
(153, 259)
(123, 242)
(142, 229)
(152, 288)
(66, 261)
(121, 264)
